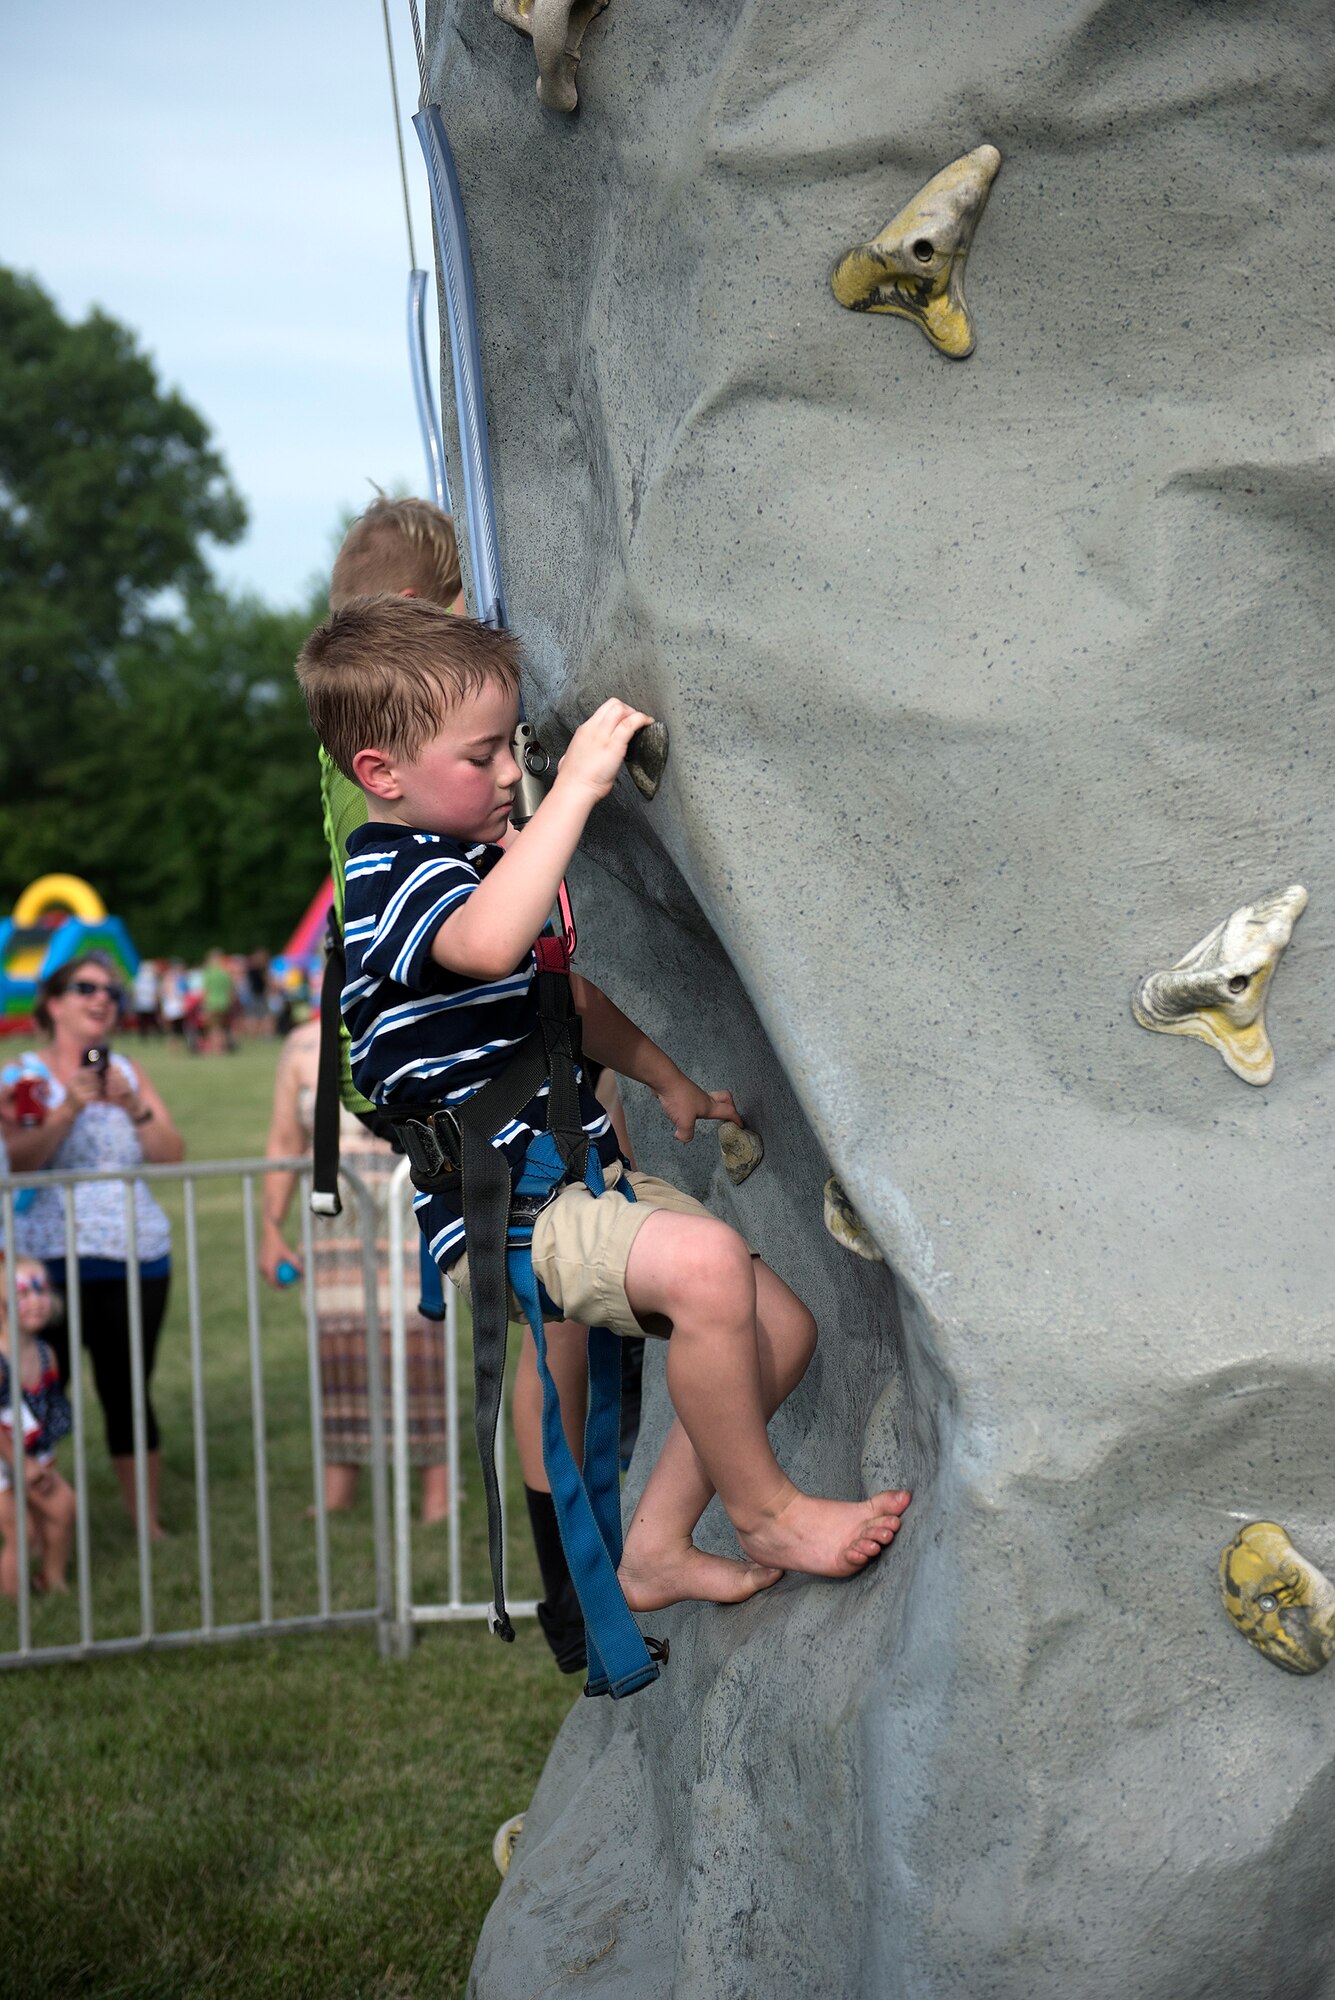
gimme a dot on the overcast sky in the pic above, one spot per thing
(225, 182)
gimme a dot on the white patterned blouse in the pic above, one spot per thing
(102, 1135)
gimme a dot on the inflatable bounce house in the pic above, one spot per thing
(55, 919)
(297, 967)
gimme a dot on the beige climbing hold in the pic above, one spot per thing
(915, 267)
(556, 28)
(742, 1150)
(1218, 991)
(504, 1840)
(1277, 1599)
(846, 1225)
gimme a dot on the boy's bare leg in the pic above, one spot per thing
(740, 1343)
(567, 1357)
(661, 1564)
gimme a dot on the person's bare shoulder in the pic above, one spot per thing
(301, 1051)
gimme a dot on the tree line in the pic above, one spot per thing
(152, 737)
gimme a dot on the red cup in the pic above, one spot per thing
(30, 1100)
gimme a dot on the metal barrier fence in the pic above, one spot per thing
(393, 1613)
(407, 1614)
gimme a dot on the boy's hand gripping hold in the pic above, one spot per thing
(598, 747)
(685, 1102)
(497, 924)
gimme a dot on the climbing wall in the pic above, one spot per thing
(996, 685)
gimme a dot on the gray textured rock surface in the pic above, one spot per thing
(989, 684)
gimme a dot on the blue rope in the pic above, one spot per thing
(588, 1509)
(431, 1285)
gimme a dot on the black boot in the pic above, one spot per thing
(559, 1614)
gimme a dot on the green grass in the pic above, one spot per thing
(289, 1816)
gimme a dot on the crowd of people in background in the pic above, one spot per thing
(211, 1005)
(73, 1097)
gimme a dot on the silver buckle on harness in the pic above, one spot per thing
(526, 1208)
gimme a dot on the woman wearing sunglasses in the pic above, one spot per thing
(96, 1108)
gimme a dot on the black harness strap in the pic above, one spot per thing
(324, 1177)
(486, 1204)
(450, 1150)
(561, 1033)
(546, 1056)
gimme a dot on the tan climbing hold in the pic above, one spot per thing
(556, 28)
(846, 1225)
(646, 757)
(1277, 1599)
(1218, 991)
(915, 267)
(742, 1150)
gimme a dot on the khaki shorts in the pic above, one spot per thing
(581, 1245)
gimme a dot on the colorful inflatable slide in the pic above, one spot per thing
(55, 919)
(298, 965)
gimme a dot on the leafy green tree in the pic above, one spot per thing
(195, 810)
(152, 735)
(108, 487)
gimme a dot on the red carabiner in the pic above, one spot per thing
(571, 938)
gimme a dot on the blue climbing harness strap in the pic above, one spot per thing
(588, 1508)
(431, 1285)
(451, 1150)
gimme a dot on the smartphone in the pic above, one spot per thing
(96, 1059)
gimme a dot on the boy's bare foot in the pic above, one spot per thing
(653, 1578)
(826, 1537)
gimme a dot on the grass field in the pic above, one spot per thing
(292, 1816)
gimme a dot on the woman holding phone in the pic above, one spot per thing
(82, 1105)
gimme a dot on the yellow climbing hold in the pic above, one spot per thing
(742, 1150)
(1277, 1599)
(1218, 991)
(503, 1842)
(846, 1225)
(915, 267)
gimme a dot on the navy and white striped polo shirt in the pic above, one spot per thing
(421, 1033)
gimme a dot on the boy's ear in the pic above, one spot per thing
(375, 773)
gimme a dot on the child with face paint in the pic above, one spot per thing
(33, 1406)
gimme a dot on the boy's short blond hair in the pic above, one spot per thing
(382, 673)
(397, 545)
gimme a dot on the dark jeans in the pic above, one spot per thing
(104, 1305)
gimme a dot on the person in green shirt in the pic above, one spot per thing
(219, 996)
